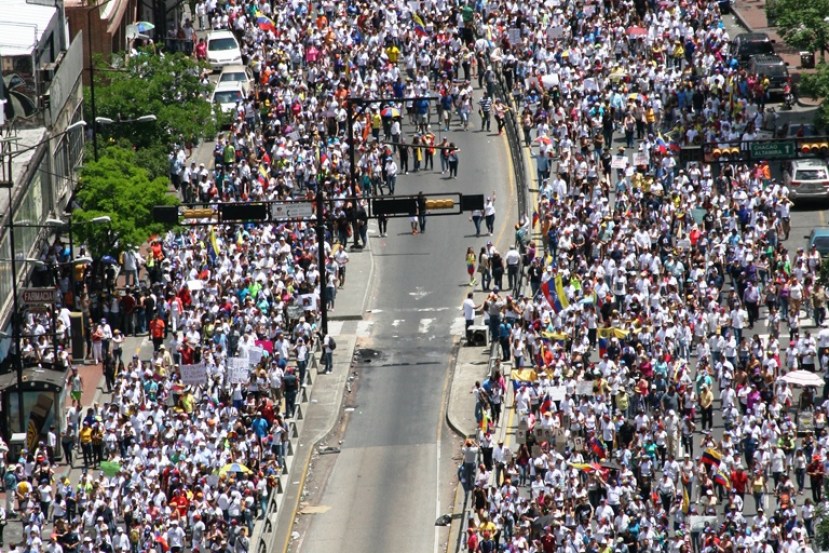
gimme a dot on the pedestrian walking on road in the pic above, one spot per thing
(75, 384)
(453, 160)
(157, 327)
(328, 347)
(489, 213)
(421, 212)
(470, 265)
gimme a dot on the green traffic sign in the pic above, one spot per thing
(772, 149)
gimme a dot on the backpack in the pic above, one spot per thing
(332, 345)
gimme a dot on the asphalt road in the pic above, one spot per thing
(390, 478)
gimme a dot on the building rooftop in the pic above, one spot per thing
(22, 26)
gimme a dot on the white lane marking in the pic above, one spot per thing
(364, 328)
(395, 323)
(419, 293)
(423, 328)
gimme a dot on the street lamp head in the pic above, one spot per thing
(76, 125)
(104, 121)
(102, 220)
(53, 223)
(146, 118)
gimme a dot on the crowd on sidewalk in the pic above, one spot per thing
(656, 290)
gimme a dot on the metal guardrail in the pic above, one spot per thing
(519, 170)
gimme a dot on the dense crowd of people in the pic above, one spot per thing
(650, 362)
(645, 283)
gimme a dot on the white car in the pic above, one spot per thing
(227, 94)
(239, 74)
(806, 178)
(222, 50)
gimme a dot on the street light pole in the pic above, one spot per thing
(92, 80)
(18, 356)
(321, 260)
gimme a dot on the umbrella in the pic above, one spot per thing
(390, 111)
(234, 467)
(110, 468)
(636, 32)
(803, 378)
(143, 26)
(543, 139)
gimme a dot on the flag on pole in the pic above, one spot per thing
(419, 25)
(212, 246)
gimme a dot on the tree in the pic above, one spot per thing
(803, 24)
(816, 85)
(118, 187)
(168, 87)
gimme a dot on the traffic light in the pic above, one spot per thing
(198, 213)
(442, 203)
(816, 148)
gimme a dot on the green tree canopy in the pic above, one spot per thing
(816, 85)
(802, 23)
(118, 187)
(166, 86)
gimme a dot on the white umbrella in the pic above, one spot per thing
(803, 378)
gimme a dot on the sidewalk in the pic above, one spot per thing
(320, 405)
(93, 392)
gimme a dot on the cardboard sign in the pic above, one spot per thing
(640, 158)
(590, 85)
(619, 162)
(557, 393)
(584, 388)
(308, 302)
(238, 370)
(255, 355)
(193, 375)
(555, 32)
(267, 345)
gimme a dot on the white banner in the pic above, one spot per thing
(619, 162)
(193, 375)
(255, 354)
(237, 370)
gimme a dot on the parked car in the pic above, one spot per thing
(745, 45)
(819, 237)
(227, 94)
(773, 67)
(222, 50)
(806, 178)
(237, 73)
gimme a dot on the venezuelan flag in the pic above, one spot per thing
(419, 25)
(722, 479)
(212, 246)
(561, 297)
(265, 23)
(711, 457)
(603, 344)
